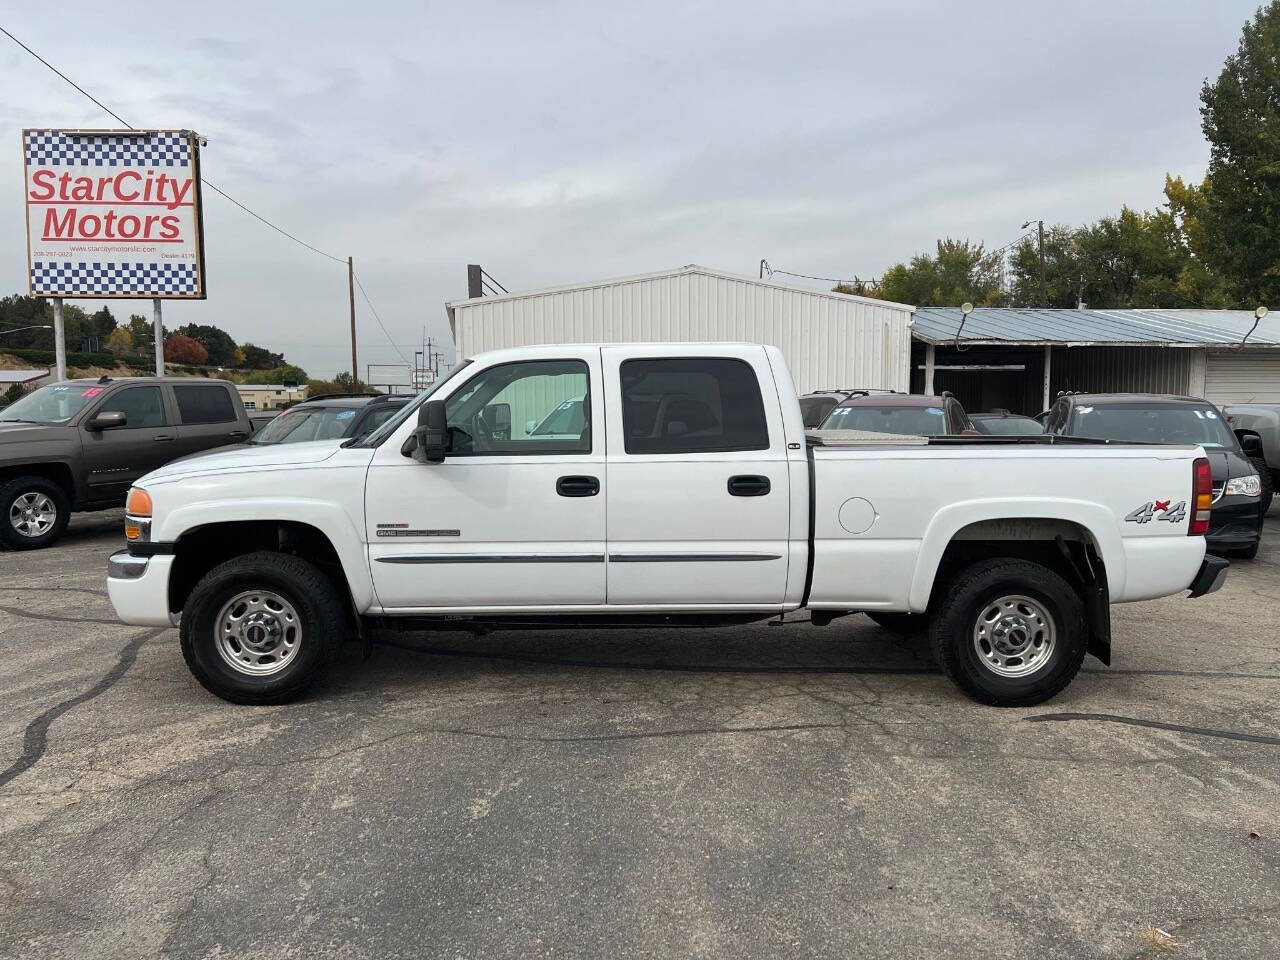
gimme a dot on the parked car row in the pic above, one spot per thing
(80, 444)
(1243, 478)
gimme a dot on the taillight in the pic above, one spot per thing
(1201, 497)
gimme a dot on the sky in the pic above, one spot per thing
(558, 142)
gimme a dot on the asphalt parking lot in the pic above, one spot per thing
(750, 792)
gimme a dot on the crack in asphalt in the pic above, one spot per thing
(31, 615)
(1155, 725)
(36, 738)
(25, 589)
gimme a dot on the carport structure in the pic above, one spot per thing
(1020, 358)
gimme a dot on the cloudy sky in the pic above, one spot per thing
(556, 142)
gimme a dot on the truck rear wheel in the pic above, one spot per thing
(1010, 633)
(33, 512)
(261, 628)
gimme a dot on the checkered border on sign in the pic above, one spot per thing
(50, 148)
(149, 279)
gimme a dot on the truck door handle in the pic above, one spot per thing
(162, 437)
(578, 486)
(237, 433)
(749, 486)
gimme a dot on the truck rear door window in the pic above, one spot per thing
(204, 403)
(691, 405)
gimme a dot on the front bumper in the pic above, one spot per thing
(139, 588)
(1213, 572)
(1235, 523)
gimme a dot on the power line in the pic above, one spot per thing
(280, 230)
(379, 319)
(787, 273)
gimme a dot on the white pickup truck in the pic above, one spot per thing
(690, 495)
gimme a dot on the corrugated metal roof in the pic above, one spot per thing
(1082, 327)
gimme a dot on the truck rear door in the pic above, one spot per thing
(210, 414)
(698, 495)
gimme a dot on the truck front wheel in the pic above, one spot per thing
(33, 512)
(1011, 633)
(261, 628)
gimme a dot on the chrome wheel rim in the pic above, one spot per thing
(258, 633)
(33, 514)
(1014, 636)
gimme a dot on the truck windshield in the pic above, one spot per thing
(408, 410)
(56, 403)
(1152, 423)
(569, 419)
(910, 421)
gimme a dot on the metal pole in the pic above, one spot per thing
(158, 334)
(928, 368)
(59, 341)
(1044, 295)
(1048, 368)
(351, 295)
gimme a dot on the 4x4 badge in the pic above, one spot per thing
(1149, 510)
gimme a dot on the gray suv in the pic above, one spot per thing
(80, 444)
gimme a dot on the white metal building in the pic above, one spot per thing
(829, 339)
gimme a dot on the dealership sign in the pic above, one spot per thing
(114, 213)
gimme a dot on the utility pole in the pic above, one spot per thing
(351, 295)
(1044, 294)
(59, 342)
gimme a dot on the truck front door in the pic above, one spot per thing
(116, 457)
(699, 498)
(512, 518)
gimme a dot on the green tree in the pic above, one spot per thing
(1240, 116)
(285, 373)
(959, 271)
(260, 358)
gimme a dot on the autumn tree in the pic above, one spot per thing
(120, 341)
(179, 348)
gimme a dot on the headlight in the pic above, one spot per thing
(1250, 486)
(137, 515)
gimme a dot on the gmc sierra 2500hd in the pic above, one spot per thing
(690, 495)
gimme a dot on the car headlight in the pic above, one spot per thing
(1250, 486)
(137, 515)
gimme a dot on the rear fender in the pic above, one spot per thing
(1098, 522)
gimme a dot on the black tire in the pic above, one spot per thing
(1268, 482)
(315, 603)
(975, 589)
(904, 623)
(11, 491)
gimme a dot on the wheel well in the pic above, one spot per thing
(59, 473)
(201, 549)
(1065, 547)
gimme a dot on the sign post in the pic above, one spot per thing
(113, 214)
(59, 342)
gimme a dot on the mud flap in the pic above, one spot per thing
(1094, 592)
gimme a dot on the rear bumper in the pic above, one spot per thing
(1213, 572)
(139, 588)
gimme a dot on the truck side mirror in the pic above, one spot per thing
(432, 433)
(1251, 444)
(108, 419)
(498, 417)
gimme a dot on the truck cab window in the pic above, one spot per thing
(691, 405)
(529, 407)
(204, 404)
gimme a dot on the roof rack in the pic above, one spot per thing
(341, 396)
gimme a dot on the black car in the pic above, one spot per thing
(1002, 423)
(329, 418)
(1235, 522)
(909, 414)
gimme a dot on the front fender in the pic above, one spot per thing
(1096, 519)
(329, 518)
